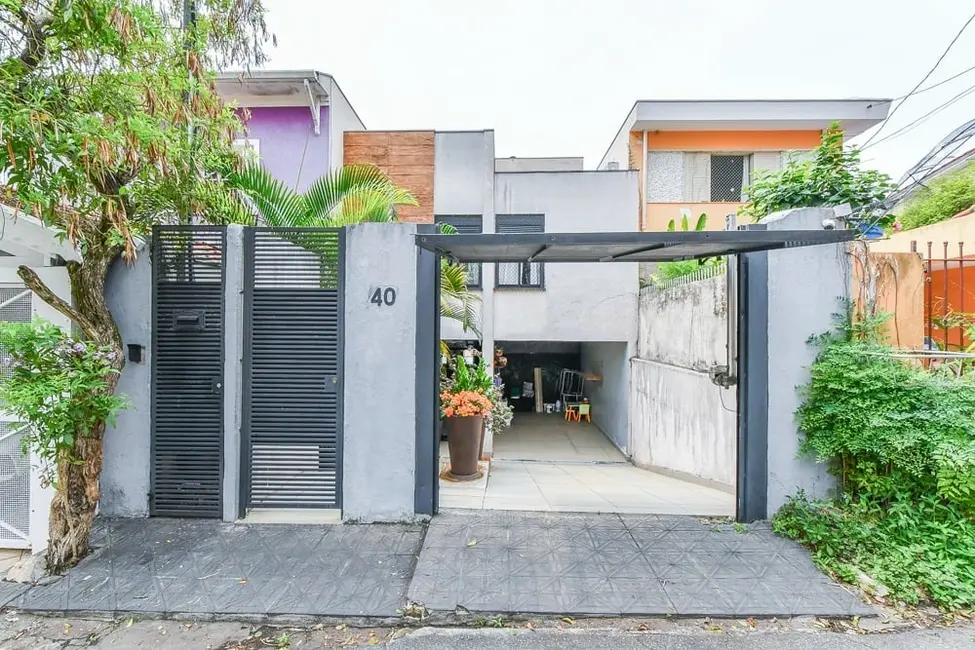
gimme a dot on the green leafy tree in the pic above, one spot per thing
(96, 102)
(833, 177)
(941, 199)
(350, 195)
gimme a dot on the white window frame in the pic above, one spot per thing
(252, 144)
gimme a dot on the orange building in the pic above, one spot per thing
(698, 157)
(947, 251)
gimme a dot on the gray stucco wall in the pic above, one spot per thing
(125, 473)
(233, 375)
(581, 302)
(680, 421)
(463, 184)
(556, 164)
(805, 288)
(379, 393)
(610, 395)
(342, 118)
(685, 325)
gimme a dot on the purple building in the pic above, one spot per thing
(295, 120)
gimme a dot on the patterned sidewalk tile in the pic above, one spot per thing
(548, 563)
(206, 567)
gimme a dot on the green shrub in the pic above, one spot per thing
(833, 177)
(942, 199)
(887, 428)
(901, 440)
(57, 389)
(923, 549)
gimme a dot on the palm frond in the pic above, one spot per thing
(457, 302)
(277, 204)
(326, 196)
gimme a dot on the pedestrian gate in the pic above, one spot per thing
(291, 442)
(187, 370)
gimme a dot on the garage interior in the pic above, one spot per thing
(546, 462)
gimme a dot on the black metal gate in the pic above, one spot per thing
(187, 371)
(293, 310)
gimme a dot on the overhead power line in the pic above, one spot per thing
(917, 122)
(933, 86)
(923, 79)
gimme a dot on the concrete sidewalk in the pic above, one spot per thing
(484, 562)
(184, 567)
(582, 564)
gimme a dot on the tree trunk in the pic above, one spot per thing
(78, 490)
(75, 502)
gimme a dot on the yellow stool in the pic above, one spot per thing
(583, 412)
(571, 412)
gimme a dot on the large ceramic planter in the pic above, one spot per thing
(480, 446)
(464, 443)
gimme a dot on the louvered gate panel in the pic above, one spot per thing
(292, 357)
(187, 371)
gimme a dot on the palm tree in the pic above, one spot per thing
(350, 195)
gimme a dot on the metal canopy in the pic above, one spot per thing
(621, 246)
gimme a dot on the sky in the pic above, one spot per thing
(558, 78)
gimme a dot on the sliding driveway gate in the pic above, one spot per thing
(292, 367)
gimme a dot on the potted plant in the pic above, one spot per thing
(464, 405)
(499, 417)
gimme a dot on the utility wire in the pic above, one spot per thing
(923, 79)
(933, 86)
(911, 125)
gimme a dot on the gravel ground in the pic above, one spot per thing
(26, 632)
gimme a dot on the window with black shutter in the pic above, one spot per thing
(520, 274)
(729, 175)
(466, 224)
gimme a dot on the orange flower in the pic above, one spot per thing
(466, 403)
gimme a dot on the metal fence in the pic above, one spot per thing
(949, 295)
(703, 273)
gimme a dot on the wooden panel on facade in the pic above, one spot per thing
(406, 157)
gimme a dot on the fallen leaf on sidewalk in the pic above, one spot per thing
(568, 620)
(642, 627)
(473, 542)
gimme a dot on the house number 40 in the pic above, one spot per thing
(383, 296)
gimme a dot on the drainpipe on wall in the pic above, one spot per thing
(644, 183)
(726, 376)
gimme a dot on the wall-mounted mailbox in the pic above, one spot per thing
(189, 320)
(137, 353)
